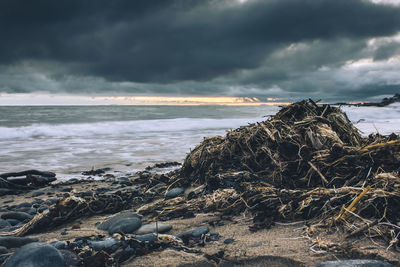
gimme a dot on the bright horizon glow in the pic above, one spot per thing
(49, 99)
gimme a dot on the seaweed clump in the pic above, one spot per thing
(303, 146)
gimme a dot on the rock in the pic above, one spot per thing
(355, 263)
(64, 232)
(196, 232)
(36, 255)
(214, 236)
(6, 191)
(4, 224)
(199, 231)
(59, 244)
(15, 242)
(127, 226)
(124, 254)
(13, 222)
(103, 244)
(146, 238)
(32, 211)
(70, 258)
(3, 250)
(37, 193)
(107, 223)
(151, 228)
(229, 241)
(20, 216)
(174, 192)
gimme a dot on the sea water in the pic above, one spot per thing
(71, 139)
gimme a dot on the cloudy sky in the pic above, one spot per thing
(328, 49)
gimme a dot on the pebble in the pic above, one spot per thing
(4, 224)
(70, 258)
(36, 254)
(15, 242)
(103, 244)
(146, 238)
(37, 193)
(107, 223)
(196, 232)
(13, 222)
(21, 216)
(229, 241)
(127, 226)
(59, 244)
(64, 232)
(3, 250)
(152, 228)
(174, 192)
(257, 244)
(355, 263)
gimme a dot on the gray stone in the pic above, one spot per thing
(199, 231)
(36, 255)
(4, 224)
(174, 192)
(196, 232)
(70, 258)
(59, 244)
(146, 238)
(13, 222)
(15, 242)
(3, 250)
(107, 223)
(229, 241)
(103, 244)
(127, 226)
(152, 228)
(20, 216)
(355, 263)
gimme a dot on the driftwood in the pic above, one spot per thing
(25, 180)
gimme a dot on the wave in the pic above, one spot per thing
(121, 127)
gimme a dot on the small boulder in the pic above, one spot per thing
(103, 244)
(17, 215)
(107, 223)
(152, 228)
(127, 226)
(174, 192)
(146, 238)
(36, 254)
(15, 242)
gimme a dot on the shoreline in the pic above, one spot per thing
(299, 189)
(282, 244)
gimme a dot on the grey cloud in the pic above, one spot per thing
(190, 47)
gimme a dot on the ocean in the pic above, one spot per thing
(71, 139)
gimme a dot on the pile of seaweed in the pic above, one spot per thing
(306, 162)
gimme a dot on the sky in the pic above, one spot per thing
(334, 50)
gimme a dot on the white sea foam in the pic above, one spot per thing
(121, 127)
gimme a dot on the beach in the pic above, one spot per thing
(67, 212)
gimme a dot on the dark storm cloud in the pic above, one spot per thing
(167, 46)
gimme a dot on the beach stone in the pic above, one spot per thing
(152, 228)
(20, 216)
(229, 241)
(355, 263)
(107, 223)
(4, 224)
(174, 192)
(70, 258)
(103, 244)
(37, 193)
(6, 191)
(9, 201)
(3, 250)
(23, 205)
(13, 222)
(146, 238)
(127, 226)
(59, 244)
(15, 242)
(196, 232)
(36, 255)
(199, 231)
(32, 211)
